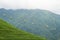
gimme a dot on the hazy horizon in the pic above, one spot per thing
(52, 5)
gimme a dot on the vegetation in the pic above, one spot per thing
(9, 32)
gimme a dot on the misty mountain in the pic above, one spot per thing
(36, 21)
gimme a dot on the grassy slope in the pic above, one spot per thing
(8, 32)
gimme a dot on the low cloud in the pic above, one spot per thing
(31, 4)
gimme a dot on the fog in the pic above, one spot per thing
(52, 5)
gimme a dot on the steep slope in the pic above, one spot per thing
(8, 32)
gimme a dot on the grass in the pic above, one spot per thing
(9, 32)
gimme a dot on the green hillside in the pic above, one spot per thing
(8, 32)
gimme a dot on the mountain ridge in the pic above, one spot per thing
(39, 22)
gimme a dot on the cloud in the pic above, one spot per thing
(31, 4)
(44, 4)
(13, 3)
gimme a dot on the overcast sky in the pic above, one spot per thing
(53, 5)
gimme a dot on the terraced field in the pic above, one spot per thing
(9, 32)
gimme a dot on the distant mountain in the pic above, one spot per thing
(39, 22)
(8, 32)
